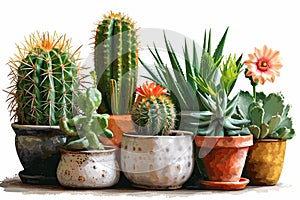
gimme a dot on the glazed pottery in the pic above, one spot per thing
(38, 150)
(223, 158)
(265, 161)
(88, 169)
(118, 124)
(157, 162)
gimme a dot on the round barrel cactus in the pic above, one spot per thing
(153, 112)
(45, 78)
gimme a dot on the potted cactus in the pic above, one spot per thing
(116, 61)
(270, 123)
(85, 162)
(45, 77)
(155, 157)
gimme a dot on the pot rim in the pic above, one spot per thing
(179, 133)
(224, 141)
(37, 127)
(269, 140)
(108, 149)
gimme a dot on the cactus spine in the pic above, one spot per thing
(153, 112)
(116, 60)
(44, 77)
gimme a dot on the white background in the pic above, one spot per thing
(252, 24)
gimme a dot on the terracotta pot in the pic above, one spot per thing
(88, 169)
(265, 161)
(118, 124)
(223, 158)
(38, 150)
(157, 162)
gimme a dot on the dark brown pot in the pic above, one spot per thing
(223, 157)
(265, 161)
(118, 124)
(38, 151)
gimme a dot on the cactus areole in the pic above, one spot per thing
(116, 60)
(44, 77)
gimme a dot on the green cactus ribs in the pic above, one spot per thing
(116, 60)
(153, 112)
(45, 77)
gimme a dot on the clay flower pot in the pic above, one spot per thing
(265, 161)
(157, 162)
(223, 158)
(38, 150)
(118, 124)
(88, 169)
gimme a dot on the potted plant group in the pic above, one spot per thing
(116, 61)
(155, 157)
(270, 123)
(85, 162)
(45, 79)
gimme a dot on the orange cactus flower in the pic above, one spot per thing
(151, 89)
(263, 65)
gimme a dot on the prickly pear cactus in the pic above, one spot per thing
(153, 111)
(268, 115)
(116, 60)
(45, 77)
(86, 130)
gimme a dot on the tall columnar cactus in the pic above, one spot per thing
(116, 60)
(153, 112)
(268, 115)
(45, 77)
(86, 130)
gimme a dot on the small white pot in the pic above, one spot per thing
(157, 162)
(88, 169)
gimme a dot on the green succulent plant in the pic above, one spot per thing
(268, 115)
(85, 130)
(202, 68)
(219, 118)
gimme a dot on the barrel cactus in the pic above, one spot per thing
(45, 77)
(268, 115)
(153, 112)
(85, 130)
(116, 60)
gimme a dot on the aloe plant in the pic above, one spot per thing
(268, 115)
(183, 85)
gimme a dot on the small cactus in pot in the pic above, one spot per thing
(153, 111)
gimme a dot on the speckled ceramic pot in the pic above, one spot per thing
(223, 158)
(265, 161)
(38, 150)
(157, 162)
(88, 169)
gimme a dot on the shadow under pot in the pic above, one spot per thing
(157, 162)
(88, 169)
(38, 151)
